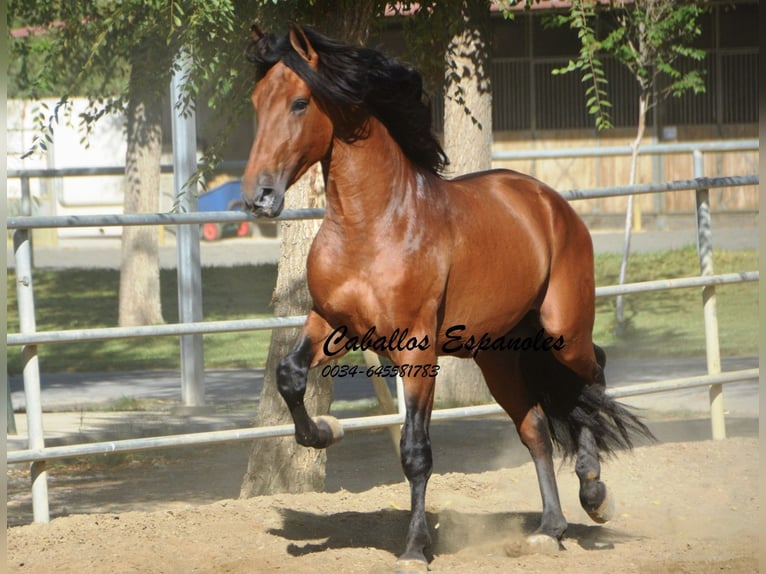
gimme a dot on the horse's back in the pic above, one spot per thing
(532, 216)
(510, 197)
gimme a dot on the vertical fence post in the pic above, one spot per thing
(11, 417)
(187, 237)
(26, 209)
(31, 372)
(712, 349)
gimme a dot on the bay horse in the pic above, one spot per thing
(494, 266)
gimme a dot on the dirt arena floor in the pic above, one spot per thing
(683, 507)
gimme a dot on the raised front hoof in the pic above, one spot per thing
(604, 512)
(410, 566)
(331, 428)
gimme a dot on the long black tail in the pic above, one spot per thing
(570, 405)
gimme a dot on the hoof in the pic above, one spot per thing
(537, 543)
(541, 544)
(605, 511)
(410, 566)
(331, 425)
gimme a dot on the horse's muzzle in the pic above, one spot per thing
(267, 199)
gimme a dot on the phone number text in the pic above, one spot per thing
(404, 371)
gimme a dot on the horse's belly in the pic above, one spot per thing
(488, 296)
(462, 334)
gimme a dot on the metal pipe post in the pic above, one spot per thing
(11, 417)
(26, 209)
(712, 349)
(187, 239)
(31, 372)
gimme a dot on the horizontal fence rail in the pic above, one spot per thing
(681, 185)
(38, 454)
(649, 149)
(200, 328)
(132, 219)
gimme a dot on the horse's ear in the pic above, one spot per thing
(255, 49)
(302, 46)
(255, 32)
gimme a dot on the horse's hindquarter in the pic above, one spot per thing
(508, 229)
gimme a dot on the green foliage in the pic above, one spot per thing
(649, 37)
(110, 52)
(588, 63)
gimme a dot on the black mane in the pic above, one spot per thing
(352, 78)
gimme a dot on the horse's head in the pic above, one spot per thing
(293, 130)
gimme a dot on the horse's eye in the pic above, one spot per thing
(299, 106)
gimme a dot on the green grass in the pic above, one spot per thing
(670, 323)
(666, 323)
(78, 299)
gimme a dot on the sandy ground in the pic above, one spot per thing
(683, 507)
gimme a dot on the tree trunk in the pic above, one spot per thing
(468, 144)
(140, 268)
(281, 464)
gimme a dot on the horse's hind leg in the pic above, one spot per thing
(504, 379)
(568, 312)
(594, 496)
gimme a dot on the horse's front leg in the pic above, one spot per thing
(419, 372)
(292, 372)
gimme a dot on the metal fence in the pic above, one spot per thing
(28, 338)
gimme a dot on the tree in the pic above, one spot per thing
(120, 56)
(650, 38)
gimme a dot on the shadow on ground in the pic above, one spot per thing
(452, 532)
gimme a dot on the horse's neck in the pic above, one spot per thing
(367, 177)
